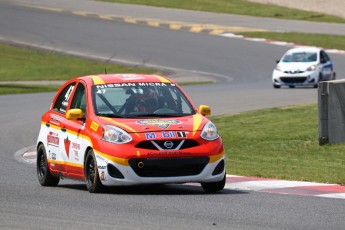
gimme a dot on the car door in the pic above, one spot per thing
(57, 115)
(327, 66)
(72, 136)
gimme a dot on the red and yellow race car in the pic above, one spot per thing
(128, 129)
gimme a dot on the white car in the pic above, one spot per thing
(303, 66)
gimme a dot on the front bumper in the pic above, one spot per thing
(160, 170)
(301, 79)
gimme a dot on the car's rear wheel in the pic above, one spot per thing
(44, 175)
(213, 187)
(92, 180)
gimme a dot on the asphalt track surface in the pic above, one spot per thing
(244, 85)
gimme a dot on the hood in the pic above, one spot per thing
(140, 125)
(295, 66)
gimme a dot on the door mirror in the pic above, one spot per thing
(204, 110)
(74, 114)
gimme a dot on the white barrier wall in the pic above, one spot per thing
(331, 103)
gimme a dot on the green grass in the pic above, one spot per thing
(20, 88)
(280, 143)
(241, 7)
(22, 64)
(319, 40)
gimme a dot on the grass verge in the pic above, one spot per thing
(20, 88)
(319, 40)
(280, 143)
(22, 64)
(241, 7)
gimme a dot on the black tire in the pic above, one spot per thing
(213, 187)
(43, 174)
(93, 183)
(276, 86)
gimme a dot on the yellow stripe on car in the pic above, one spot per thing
(66, 163)
(121, 161)
(97, 80)
(163, 79)
(197, 119)
(216, 157)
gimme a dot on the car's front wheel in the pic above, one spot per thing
(213, 187)
(44, 176)
(92, 180)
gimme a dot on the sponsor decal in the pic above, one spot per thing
(53, 156)
(182, 134)
(102, 159)
(102, 167)
(53, 139)
(94, 126)
(160, 135)
(55, 119)
(169, 153)
(67, 143)
(102, 177)
(165, 134)
(117, 85)
(75, 146)
(76, 155)
(160, 123)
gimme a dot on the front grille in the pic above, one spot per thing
(293, 79)
(168, 167)
(162, 144)
(294, 72)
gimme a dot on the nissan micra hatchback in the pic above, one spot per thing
(303, 66)
(128, 129)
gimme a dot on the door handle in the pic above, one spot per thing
(47, 124)
(63, 129)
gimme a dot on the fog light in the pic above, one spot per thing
(219, 169)
(114, 172)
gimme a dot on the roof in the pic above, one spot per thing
(304, 49)
(123, 78)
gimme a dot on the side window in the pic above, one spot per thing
(324, 57)
(61, 102)
(79, 98)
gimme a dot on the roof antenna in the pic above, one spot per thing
(105, 70)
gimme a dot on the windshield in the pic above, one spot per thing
(300, 57)
(140, 100)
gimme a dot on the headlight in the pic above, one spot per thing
(312, 68)
(115, 135)
(209, 132)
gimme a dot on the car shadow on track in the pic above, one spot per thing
(169, 189)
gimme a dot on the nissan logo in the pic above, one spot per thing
(168, 144)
